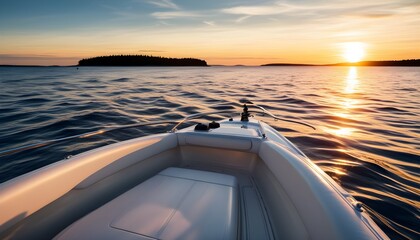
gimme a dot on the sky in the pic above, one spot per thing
(246, 32)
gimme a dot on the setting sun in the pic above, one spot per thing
(353, 51)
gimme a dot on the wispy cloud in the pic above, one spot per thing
(374, 15)
(164, 4)
(174, 14)
(271, 9)
(358, 8)
(241, 19)
(210, 23)
(163, 23)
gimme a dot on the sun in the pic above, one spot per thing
(353, 51)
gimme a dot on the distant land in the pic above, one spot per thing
(140, 60)
(288, 64)
(397, 63)
(389, 63)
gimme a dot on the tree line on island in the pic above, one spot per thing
(140, 60)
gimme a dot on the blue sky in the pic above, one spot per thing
(222, 32)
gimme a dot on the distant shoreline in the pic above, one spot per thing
(390, 63)
(289, 64)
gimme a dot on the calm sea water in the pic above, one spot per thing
(367, 119)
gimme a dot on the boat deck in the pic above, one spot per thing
(254, 221)
(278, 193)
(181, 203)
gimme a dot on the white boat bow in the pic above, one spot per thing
(235, 179)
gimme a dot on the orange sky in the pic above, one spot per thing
(243, 32)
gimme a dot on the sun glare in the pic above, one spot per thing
(353, 51)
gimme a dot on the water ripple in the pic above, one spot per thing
(368, 136)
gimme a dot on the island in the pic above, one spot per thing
(390, 63)
(140, 60)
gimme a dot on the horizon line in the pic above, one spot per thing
(285, 64)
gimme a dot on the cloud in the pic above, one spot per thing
(164, 4)
(210, 23)
(174, 14)
(316, 10)
(241, 19)
(376, 15)
(271, 9)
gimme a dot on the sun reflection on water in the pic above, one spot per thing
(342, 131)
(351, 81)
(349, 103)
(346, 104)
(339, 171)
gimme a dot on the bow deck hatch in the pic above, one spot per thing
(175, 204)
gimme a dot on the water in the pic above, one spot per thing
(367, 118)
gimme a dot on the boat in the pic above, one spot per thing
(234, 179)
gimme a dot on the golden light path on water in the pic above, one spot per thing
(345, 111)
(347, 103)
